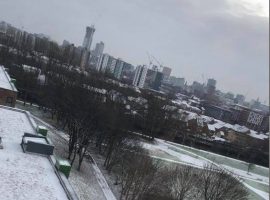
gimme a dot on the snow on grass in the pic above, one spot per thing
(264, 195)
(220, 159)
(85, 184)
(191, 160)
(199, 161)
(250, 175)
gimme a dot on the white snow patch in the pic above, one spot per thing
(218, 139)
(262, 194)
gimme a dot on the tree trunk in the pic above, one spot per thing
(74, 155)
(82, 154)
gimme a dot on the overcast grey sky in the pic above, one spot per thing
(222, 39)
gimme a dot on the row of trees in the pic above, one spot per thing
(142, 177)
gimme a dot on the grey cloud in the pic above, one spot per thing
(207, 37)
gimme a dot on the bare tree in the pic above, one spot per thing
(216, 183)
(182, 181)
(137, 176)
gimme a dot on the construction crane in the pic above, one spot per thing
(160, 65)
(150, 60)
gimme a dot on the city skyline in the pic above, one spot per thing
(230, 47)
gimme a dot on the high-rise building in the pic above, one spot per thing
(118, 68)
(166, 72)
(77, 55)
(97, 56)
(109, 64)
(158, 81)
(88, 37)
(178, 82)
(68, 53)
(98, 49)
(140, 75)
(84, 59)
(149, 78)
(211, 86)
(112, 64)
(128, 73)
(128, 67)
(18, 37)
(211, 82)
(104, 62)
(65, 43)
(153, 79)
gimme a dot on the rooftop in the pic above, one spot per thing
(24, 175)
(5, 80)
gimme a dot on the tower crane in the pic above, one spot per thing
(150, 60)
(160, 65)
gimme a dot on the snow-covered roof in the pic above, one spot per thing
(191, 116)
(187, 115)
(238, 128)
(41, 79)
(193, 101)
(218, 139)
(30, 68)
(211, 127)
(195, 109)
(94, 89)
(258, 135)
(5, 80)
(182, 104)
(24, 175)
(185, 105)
(241, 129)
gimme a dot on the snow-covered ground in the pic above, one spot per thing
(103, 183)
(184, 156)
(23, 175)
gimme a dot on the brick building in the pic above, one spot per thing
(252, 118)
(8, 91)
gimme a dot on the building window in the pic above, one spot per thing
(255, 118)
(9, 101)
